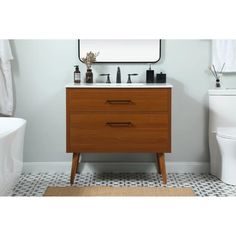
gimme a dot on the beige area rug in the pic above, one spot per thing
(117, 191)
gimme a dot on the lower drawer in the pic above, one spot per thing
(104, 132)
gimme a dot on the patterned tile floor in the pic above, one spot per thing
(202, 184)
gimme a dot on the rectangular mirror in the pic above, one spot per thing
(122, 50)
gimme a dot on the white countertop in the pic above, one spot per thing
(122, 85)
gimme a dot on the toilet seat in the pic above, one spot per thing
(227, 132)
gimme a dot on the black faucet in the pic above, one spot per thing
(108, 78)
(118, 76)
(129, 78)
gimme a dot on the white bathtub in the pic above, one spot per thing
(12, 131)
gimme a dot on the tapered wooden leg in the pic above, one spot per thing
(74, 167)
(162, 166)
(158, 164)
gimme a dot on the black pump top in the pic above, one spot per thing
(76, 68)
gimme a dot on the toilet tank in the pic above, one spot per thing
(222, 108)
(222, 113)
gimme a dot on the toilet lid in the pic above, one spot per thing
(227, 132)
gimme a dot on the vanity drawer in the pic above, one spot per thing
(118, 99)
(116, 132)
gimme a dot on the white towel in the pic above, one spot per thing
(6, 92)
(224, 51)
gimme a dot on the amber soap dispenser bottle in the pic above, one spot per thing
(76, 75)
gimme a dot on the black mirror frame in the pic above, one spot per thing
(119, 62)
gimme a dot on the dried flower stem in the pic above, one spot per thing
(214, 73)
(90, 59)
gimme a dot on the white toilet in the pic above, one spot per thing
(226, 138)
(222, 134)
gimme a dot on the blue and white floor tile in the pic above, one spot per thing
(202, 184)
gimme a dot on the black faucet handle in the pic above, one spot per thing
(129, 77)
(108, 78)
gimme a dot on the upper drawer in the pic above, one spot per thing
(121, 99)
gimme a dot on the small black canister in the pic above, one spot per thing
(161, 78)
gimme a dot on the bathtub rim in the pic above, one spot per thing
(21, 122)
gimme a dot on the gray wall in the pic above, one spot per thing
(42, 68)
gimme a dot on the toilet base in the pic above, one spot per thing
(228, 159)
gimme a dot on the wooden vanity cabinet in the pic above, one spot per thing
(117, 120)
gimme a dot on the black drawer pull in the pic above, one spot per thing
(119, 124)
(118, 102)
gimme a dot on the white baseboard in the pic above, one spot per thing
(98, 167)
